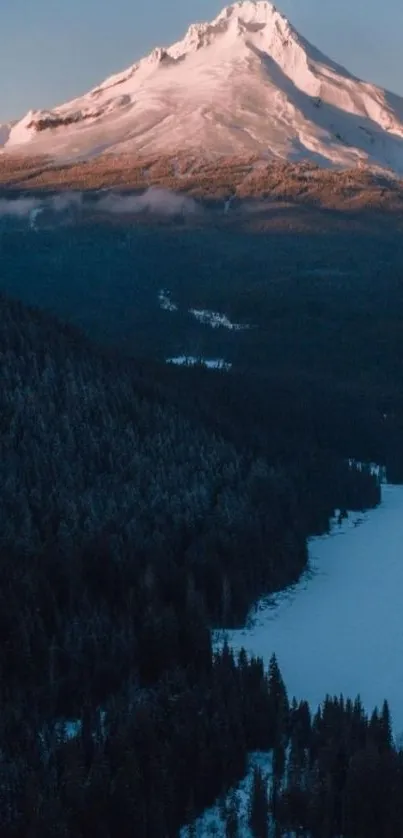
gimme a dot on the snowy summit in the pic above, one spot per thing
(246, 82)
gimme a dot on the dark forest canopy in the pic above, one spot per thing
(132, 521)
(322, 307)
(143, 504)
(325, 310)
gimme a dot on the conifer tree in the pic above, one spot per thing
(259, 805)
(386, 726)
(278, 704)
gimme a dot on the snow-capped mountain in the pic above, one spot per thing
(245, 82)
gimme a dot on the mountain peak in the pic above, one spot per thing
(239, 19)
(244, 83)
(256, 11)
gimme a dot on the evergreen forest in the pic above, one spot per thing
(143, 505)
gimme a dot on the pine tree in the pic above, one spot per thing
(295, 763)
(279, 762)
(278, 703)
(386, 726)
(259, 805)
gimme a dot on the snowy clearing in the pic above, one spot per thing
(217, 320)
(340, 629)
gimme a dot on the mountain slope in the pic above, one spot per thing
(246, 82)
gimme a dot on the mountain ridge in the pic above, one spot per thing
(246, 82)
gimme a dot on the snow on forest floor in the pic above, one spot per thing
(212, 822)
(191, 361)
(164, 299)
(217, 320)
(340, 629)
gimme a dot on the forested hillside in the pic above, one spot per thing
(134, 518)
(323, 311)
(246, 176)
(144, 503)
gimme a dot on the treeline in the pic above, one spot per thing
(154, 758)
(305, 429)
(332, 774)
(130, 523)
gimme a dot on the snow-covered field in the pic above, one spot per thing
(340, 630)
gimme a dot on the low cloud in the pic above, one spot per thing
(31, 207)
(154, 200)
(19, 207)
(66, 201)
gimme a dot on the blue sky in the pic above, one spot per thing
(51, 50)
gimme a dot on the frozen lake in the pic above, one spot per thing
(340, 630)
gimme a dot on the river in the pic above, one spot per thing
(340, 629)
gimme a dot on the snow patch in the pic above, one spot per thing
(217, 320)
(374, 468)
(164, 299)
(192, 361)
(211, 821)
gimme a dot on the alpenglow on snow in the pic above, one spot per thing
(247, 82)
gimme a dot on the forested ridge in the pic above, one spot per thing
(134, 517)
(304, 183)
